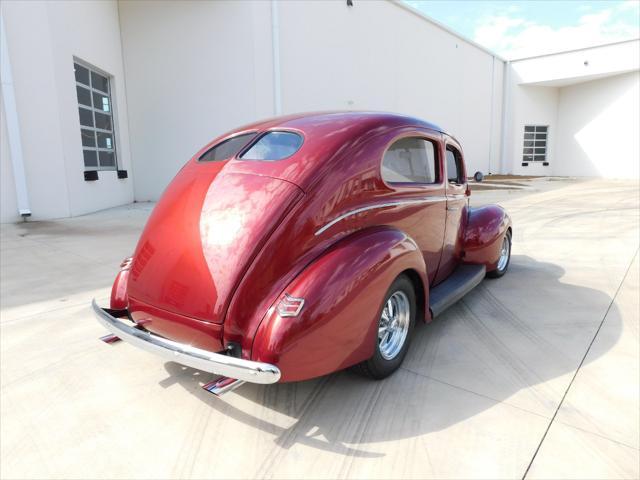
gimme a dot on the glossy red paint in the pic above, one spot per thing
(201, 236)
(119, 298)
(119, 295)
(354, 182)
(343, 291)
(457, 207)
(229, 238)
(177, 327)
(483, 235)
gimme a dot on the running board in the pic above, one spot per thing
(463, 279)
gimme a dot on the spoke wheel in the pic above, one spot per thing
(504, 258)
(394, 329)
(394, 325)
(504, 253)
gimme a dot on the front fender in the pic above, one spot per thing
(483, 236)
(343, 291)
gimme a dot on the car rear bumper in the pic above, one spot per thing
(217, 363)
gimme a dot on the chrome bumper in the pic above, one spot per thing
(220, 364)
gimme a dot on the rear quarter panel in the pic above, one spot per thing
(343, 292)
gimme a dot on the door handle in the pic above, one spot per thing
(452, 209)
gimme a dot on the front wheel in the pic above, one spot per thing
(395, 327)
(505, 257)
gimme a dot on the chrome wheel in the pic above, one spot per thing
(504, 254)
(394, 325)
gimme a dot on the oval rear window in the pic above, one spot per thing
(227, 148)
(274, 146)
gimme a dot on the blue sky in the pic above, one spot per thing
(516, 29)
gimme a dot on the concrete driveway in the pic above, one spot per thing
(533, 375)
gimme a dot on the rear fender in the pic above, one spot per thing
(119, 298)
(343, 291)
(485, 230)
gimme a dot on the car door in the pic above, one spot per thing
(456, 211)
(412, 168)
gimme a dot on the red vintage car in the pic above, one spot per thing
(301, 245)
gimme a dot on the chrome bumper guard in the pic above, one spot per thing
(218, 363)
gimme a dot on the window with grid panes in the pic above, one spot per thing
(96, 118)
(535, 143)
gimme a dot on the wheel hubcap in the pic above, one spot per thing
(504, 253)
(394, 325)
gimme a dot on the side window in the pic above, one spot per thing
(454, 166)
(410, 160)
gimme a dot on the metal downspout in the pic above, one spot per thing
(275, 45)
(506, 106)
(13, 125)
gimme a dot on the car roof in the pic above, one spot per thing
(310, 121)
(326, 133)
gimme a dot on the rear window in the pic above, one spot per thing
(227, 148)
(274, 146)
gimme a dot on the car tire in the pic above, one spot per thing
(504, 259)
(397, 318)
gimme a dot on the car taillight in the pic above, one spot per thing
(290, 306)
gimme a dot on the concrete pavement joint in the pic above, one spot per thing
(580, 366)
(457, 387)
(604, 437)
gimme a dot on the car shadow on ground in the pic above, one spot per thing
(503, 343)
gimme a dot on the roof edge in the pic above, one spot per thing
(581, 49)
(402, 4)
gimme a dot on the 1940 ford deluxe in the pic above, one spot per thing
(302, 245)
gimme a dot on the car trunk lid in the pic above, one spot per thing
(202, 236)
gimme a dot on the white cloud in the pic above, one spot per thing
(633, 5)
(515, 37)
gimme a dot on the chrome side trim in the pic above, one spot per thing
(238, 368)
(433, 199)
(456, 196)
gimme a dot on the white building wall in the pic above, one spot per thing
(214, 71)
(532, 106)
(599, 128)
(30, 51)
(578, 94)
(379, 56)
(184, 72)
(43, 38)
(194, 70)
(579, 65)
(8, 202)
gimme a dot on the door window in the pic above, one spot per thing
(454, 166)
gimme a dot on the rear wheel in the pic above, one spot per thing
(395, 327)
(505, 257)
